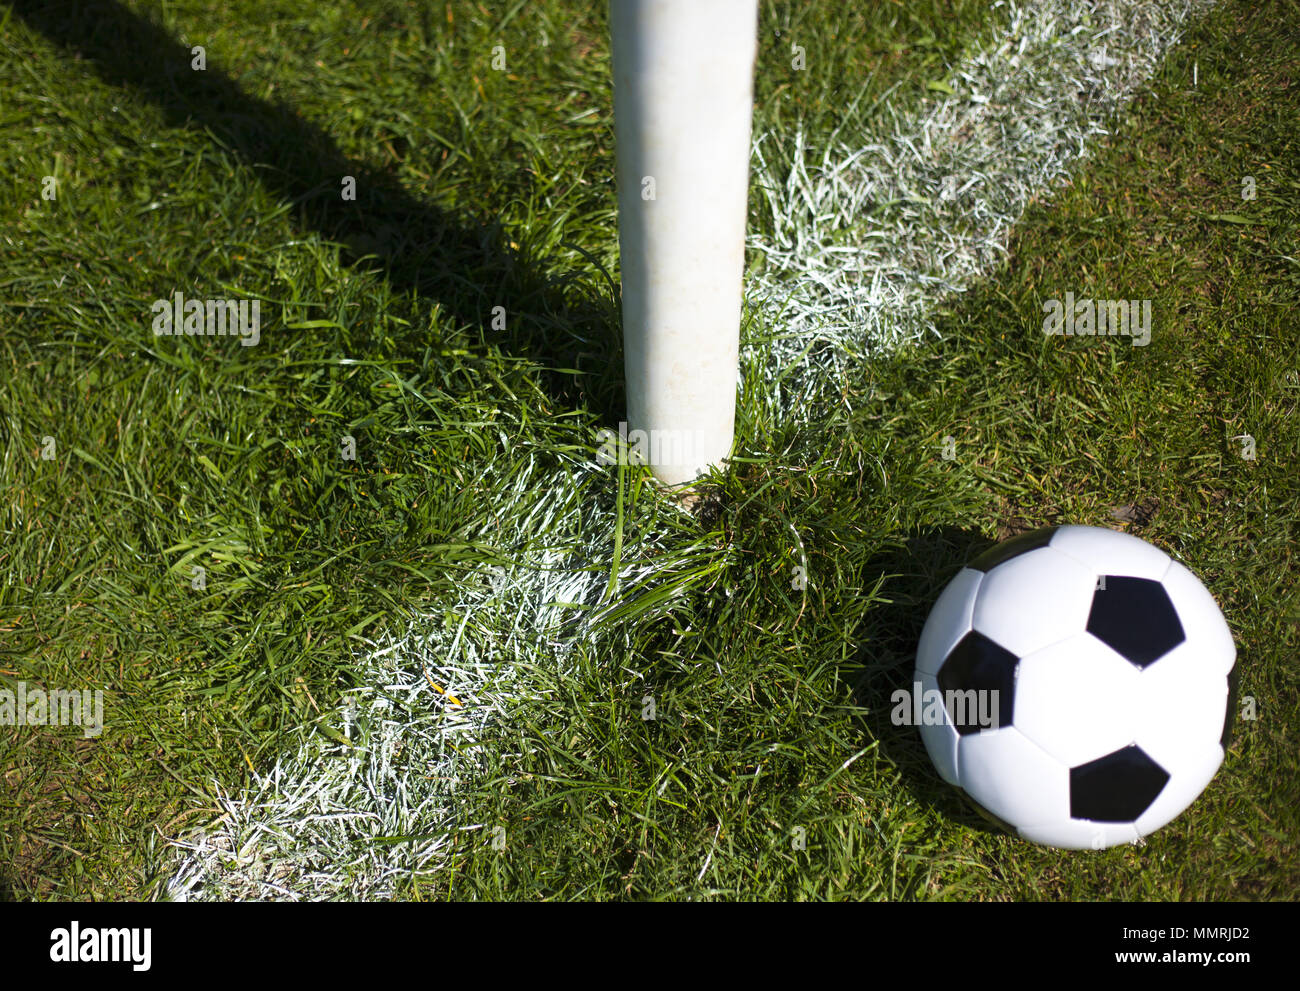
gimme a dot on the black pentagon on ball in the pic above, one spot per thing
(1116, 788)
(1134, 617)
(1012, 547)
(978, 664)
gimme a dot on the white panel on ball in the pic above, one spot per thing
(1183, 698)
(1014, 778)
(1081, 834)
(1076, 700)
(1190, 772)
(940, 740)
(949, 621)
(1109, 552)
(1203, 623)
(1035, 600)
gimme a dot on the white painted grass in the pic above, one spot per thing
(340, 820)
(870, 233)
(868, 237)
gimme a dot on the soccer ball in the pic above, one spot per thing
(1075, 685)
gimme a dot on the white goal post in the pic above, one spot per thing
(683, 102)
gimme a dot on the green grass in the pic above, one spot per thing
(482, 189)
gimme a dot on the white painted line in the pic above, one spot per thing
(931, 203)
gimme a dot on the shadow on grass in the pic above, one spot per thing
(918, 569)
(465, 265)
